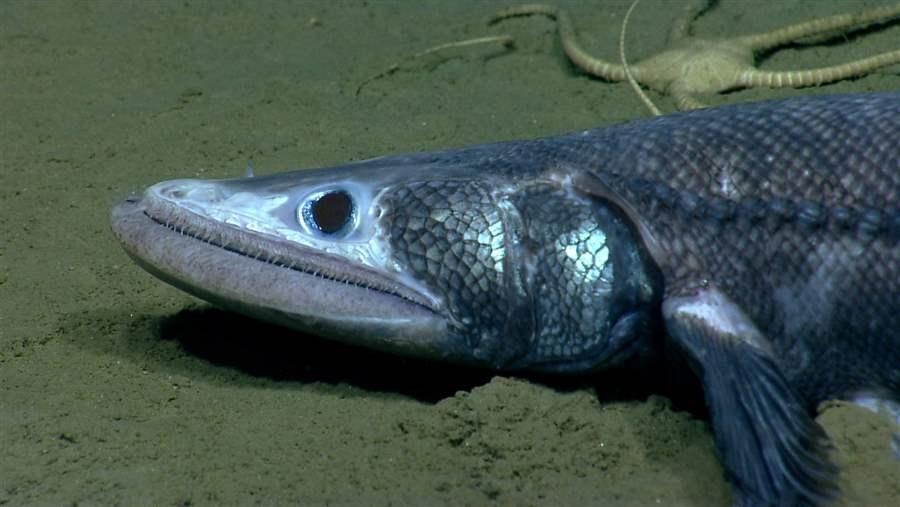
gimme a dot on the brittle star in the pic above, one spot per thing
(695, 66)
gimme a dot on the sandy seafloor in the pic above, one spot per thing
(116, 389)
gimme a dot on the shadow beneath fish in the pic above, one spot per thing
(273, 352)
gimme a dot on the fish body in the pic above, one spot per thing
(760, 240)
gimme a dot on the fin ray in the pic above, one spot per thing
(773, 450)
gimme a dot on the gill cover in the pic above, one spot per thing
(531, 274)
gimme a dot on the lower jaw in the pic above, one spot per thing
(277, 294)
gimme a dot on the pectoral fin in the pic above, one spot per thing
(772, 449)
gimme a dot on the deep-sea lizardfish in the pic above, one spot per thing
(762, 240)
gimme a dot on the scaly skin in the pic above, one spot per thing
(762, 240)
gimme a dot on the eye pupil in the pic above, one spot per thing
(331, 211)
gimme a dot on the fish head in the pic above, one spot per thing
(409, 254)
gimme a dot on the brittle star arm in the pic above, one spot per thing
(840, 23)
(592, 65)
(735, 58)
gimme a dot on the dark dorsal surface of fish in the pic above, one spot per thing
(760, 240)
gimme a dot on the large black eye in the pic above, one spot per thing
(329, 212)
